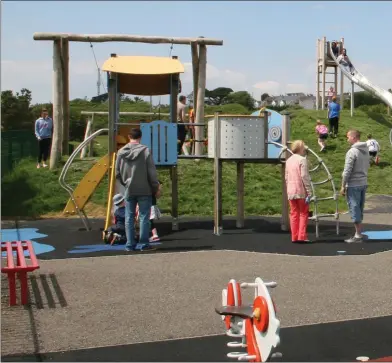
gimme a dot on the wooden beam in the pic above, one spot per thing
(65, 83)
(201, 91)
(100, 38)
(56, 151)
(104, 113)
(195, 68)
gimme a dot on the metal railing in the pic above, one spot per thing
(64, 172)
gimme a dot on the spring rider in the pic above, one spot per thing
(256, 324)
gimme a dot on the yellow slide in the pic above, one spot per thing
(87, 185)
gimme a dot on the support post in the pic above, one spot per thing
(91, 144)
(352, 99)
(86, 135)
(341, 78)
(336, 81)
(266, 130)
(318, 75)
(240, 195)
(113, 98)
(199, 130)
(195, 69)
(218, 217)
(56, 151)
(285, 224)
(173, 95)
(323, 70)
(65, 82)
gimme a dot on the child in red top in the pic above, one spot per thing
(322, 133)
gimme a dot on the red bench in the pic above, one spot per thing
(21, 267)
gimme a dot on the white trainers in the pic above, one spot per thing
(38, 166)
(354, 240)
(44, 165)
(154, 239)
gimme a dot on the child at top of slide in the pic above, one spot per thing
(322, 133)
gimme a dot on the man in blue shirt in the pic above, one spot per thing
(333, 116)
(43, 133)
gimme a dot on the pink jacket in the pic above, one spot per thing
(297, 177)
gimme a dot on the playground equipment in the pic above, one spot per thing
(325, 60)
(256, 324)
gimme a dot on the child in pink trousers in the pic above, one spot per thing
(299, 191)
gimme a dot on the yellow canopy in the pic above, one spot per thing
(144, 76)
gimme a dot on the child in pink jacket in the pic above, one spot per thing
(322, 134)
(299, 191)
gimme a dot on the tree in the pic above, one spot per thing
(242, 98)
(16, 111)
(218, 95)
(264, 96)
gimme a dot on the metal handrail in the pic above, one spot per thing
(64, 172)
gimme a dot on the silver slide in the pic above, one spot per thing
(359, 79)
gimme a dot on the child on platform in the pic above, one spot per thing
(116, 232)
(322, 133)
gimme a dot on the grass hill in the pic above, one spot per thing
(28, 192)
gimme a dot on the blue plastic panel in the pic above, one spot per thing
(161, 138)
(275, 123)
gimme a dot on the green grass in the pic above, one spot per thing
(28, 192)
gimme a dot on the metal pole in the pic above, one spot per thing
(352, 99)
(218, 218)
(285, 224)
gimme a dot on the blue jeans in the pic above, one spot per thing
(144, 202)
(356, 202)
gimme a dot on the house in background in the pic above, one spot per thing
(307, 101)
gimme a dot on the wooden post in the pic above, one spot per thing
(113, 110)
(56, 151)
(318, 76)
(174, 171)
(218, 216)
(199, 130)
(86, 135)
(341, 78)
(323, 69)
(91, 144)
(240, 195)
(195, 68)
(285, 224)
(65, 82)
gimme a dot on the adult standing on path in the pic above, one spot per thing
(136, 171)
(354, 181)
(299, 191)
(333, 116)
(43, 133)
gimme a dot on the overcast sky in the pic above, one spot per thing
(268, 46)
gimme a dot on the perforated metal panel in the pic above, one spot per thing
(240, 137)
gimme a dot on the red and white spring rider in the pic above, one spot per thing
(256, 324)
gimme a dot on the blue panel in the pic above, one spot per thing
(274, 121)
(161, 138)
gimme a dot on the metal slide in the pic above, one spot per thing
(359, 79)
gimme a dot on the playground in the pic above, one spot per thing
(91, 301)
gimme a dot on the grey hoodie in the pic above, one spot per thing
(136, 171)
(356, 165)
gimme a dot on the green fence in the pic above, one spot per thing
(16, 145)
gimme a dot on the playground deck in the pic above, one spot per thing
(93, 303)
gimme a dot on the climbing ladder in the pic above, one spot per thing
(315, 199)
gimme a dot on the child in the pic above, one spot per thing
(374, 148)
(322, 132)
(116, 232)
(154, 214)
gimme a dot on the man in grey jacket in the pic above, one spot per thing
(354, 181)
(135, 170)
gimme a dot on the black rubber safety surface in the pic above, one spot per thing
(330, 342)
(262, 235)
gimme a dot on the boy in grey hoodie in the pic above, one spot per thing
(135, 170)
(354, 180)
